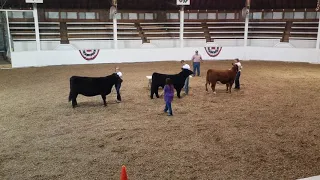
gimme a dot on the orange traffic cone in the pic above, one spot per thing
(123, 175)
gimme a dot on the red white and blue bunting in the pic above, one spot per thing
(89, 54)
(213, 51)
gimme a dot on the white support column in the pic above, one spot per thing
(36, 26)
(318, 37)
(181, 25)
(9, 36)
(246, 28)
(115, 32)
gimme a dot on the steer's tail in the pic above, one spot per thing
(208, 78)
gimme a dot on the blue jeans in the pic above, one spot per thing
(168, 108)
(118, 86)
(236, 81)
(186, 86)
(196, 66)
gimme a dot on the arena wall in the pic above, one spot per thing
(108, 44)
(67, 57)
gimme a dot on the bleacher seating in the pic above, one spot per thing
(101, 31)
(226, 30)
(266, 30)
(50, 31)
(165, 30)
(25, 31)
(304, 30)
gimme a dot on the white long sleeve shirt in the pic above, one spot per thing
(186, 66)
(239, 66)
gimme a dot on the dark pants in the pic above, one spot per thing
(186, 85)
(118, 86)
(196, 67)
(168, 108)
(236, 81)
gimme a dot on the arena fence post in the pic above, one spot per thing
(246, 26)
(36, 21)
(113, 15)
(182, 3)
(245, 14)
(115, 32)
(318, 36)
(181, 25)
(36, 25)
(9, 35)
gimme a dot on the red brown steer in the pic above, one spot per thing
(224, 76)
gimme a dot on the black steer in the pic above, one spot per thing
(178, 80)
(92, 86)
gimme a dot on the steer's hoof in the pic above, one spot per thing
(214, 93)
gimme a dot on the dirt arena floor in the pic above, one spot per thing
(270, 129)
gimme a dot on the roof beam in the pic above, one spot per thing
(270, 7)
(164, 4)
(199, 4)
(301, 3)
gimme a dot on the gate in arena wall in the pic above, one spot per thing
(3, 38)
(6, 39)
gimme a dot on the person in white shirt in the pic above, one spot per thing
(186, 83)
(118, 86)
(237, 79)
